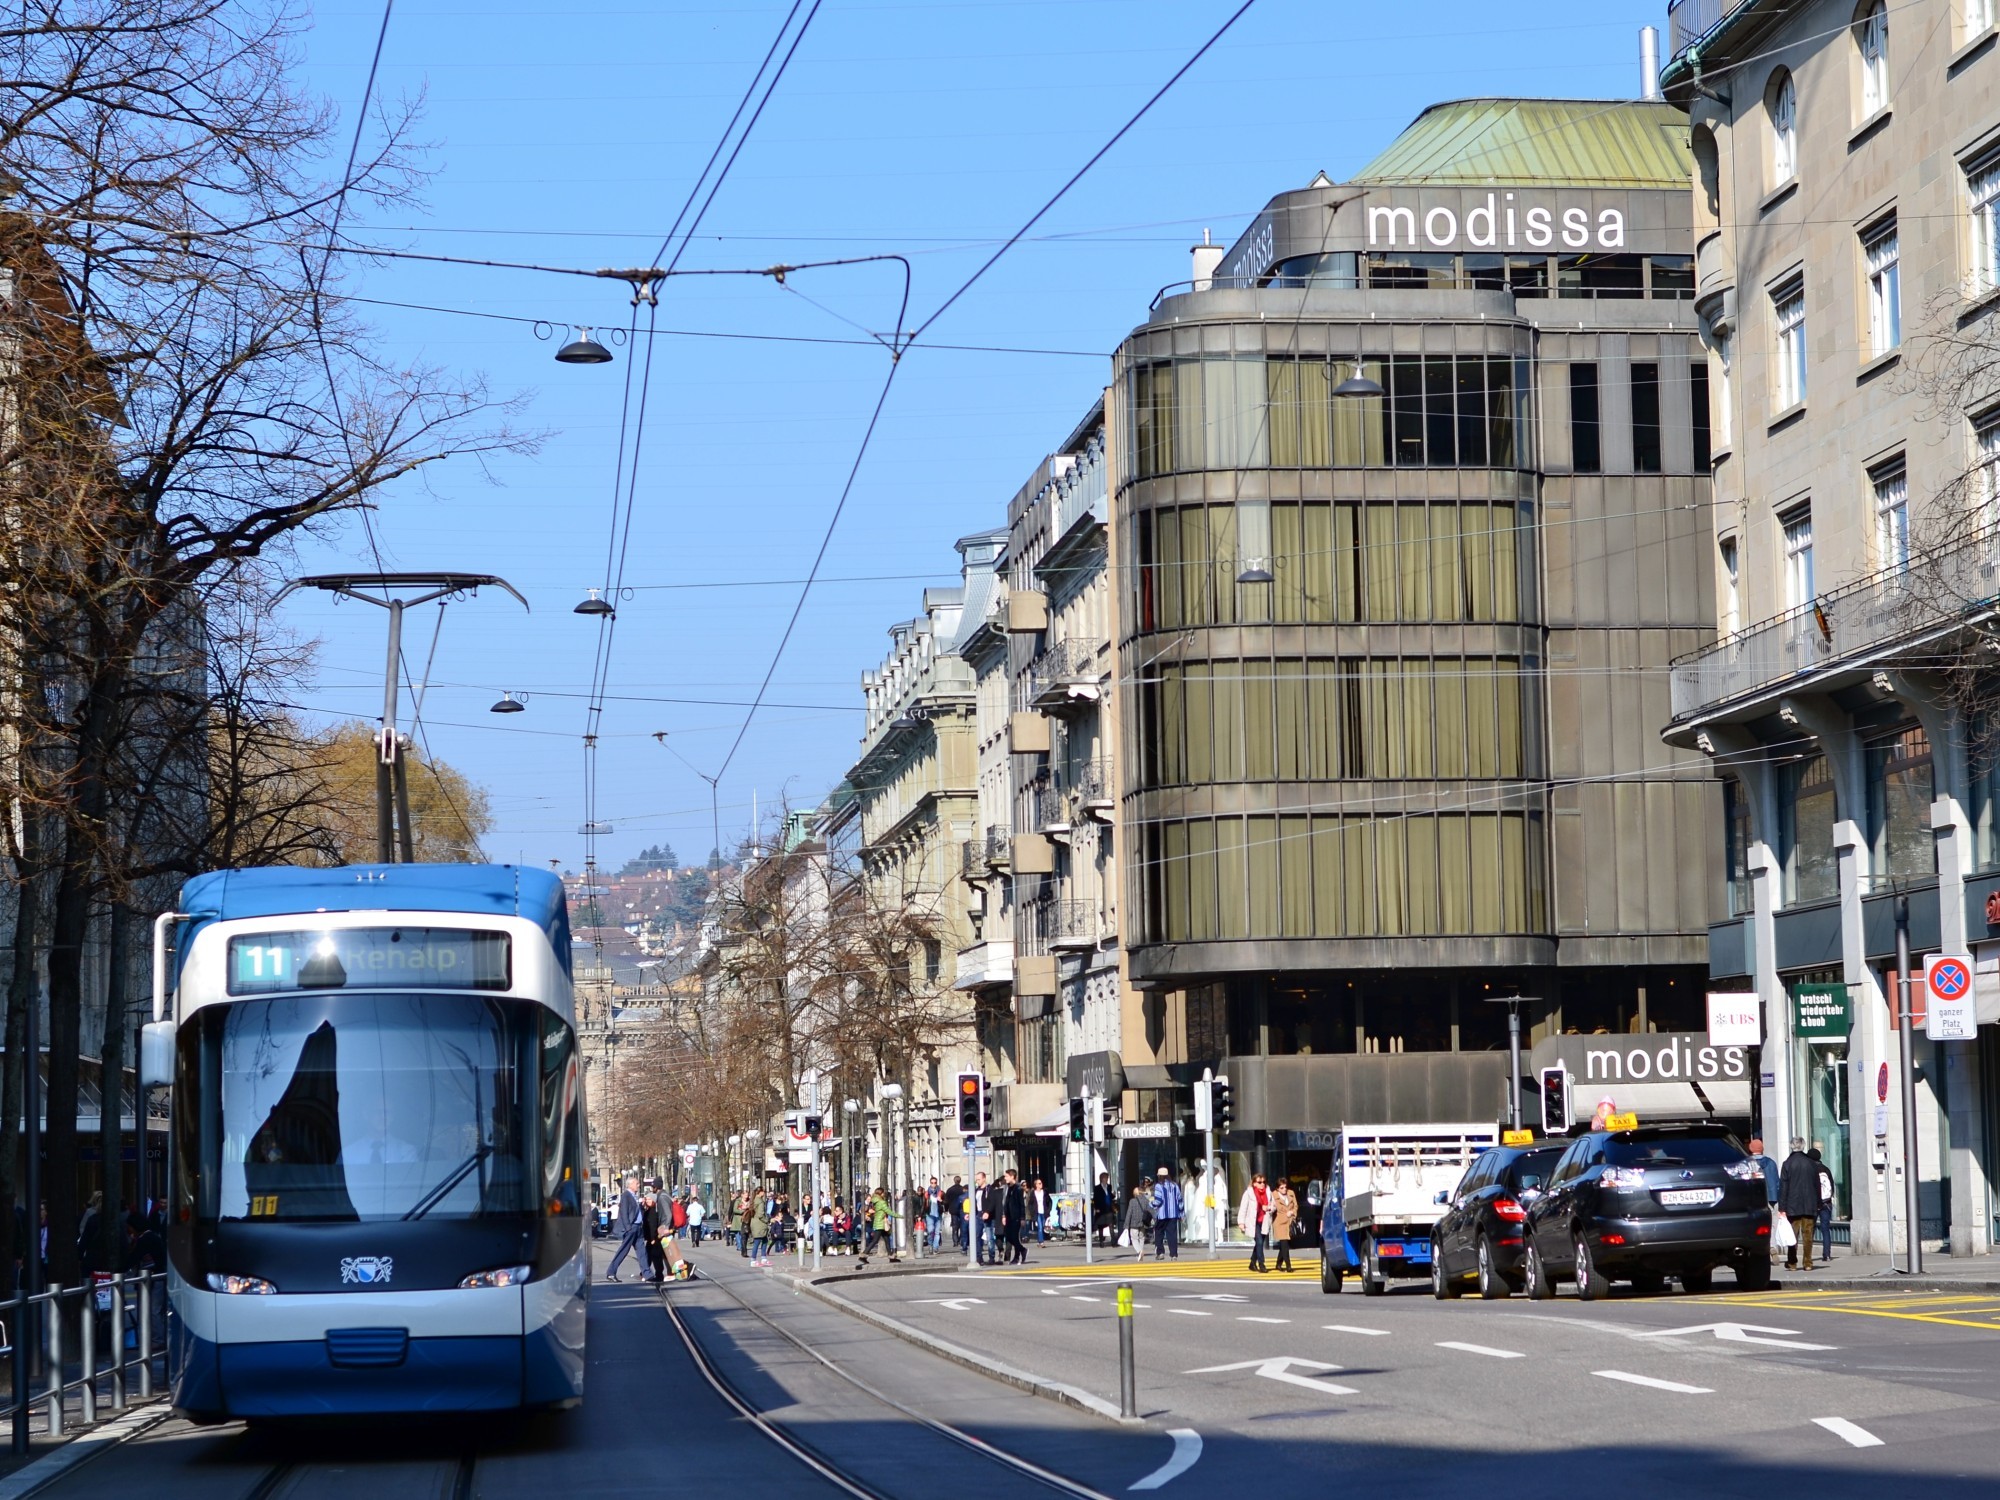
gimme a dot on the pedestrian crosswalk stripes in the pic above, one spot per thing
(1185, 1267)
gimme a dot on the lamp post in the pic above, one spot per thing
(391, 775)
(1513, 1004)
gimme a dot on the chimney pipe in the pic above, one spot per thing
(1206, 258)
(1649, 62)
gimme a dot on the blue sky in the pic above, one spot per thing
(569, 135)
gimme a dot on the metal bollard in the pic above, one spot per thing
(86, 1332)
(1128, 1384)
(117, 1350)
(52, 1311)
(146, 1336)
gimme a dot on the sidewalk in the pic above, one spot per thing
(1850, 1272)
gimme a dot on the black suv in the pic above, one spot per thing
(1480, 1235)
(1645, 1204)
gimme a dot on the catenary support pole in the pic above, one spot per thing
(1513, 1066)
(386, 752)
(1913, 1259)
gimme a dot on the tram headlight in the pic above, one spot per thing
(503, 1276)
(238, 1286)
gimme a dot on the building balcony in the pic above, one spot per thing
(1051, 806)
(999, 846)
(1714, 276)
(1071, 926)
(1871, 624)
(1096, 797)
(972, 863)
(1065, 677)
(1688, 21)
(985, 964)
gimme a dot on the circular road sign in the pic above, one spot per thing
(1949, 978)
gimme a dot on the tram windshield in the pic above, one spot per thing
(369, 1106)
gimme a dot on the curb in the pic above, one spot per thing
(1886, 1283)
(80, 1450)
(979, 1364)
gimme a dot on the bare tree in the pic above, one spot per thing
(185, 392)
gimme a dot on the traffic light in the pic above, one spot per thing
(813, 1125)
(1079, 1119)
(1222, 1105)
(1204, 1105)
(1555, 1101)
(972, 1104)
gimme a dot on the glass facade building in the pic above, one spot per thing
(1393, 662)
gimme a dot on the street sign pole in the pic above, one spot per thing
(1913, 1260)
(1089, 1177)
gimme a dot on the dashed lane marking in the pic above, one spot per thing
(1484, 1349)
(1652, 1384)
(1190, 1312)
(1850, 1433)
(1373, 1333)
(1179, 1270)
(1263, 1320)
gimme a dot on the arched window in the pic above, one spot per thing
(1783, 104)
(1871, 32)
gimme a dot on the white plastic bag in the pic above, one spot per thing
(1782, 1234)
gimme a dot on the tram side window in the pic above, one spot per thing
(561, 1120)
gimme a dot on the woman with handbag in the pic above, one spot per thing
(1138, 1221)
(1253, 1217)
(1284, 1221)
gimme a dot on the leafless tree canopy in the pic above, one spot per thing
(183, 391)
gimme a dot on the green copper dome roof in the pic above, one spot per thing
(1612, 143)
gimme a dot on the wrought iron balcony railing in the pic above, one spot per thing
(1936, 592)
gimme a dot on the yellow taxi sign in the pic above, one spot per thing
(1626, 1121)
(1517, 1137)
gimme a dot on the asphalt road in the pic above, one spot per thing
(1833, 1391)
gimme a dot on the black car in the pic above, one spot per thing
(1644, 1204)
(1480, 1236)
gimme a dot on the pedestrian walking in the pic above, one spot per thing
(991, 1200)
(1168, 1207)
(1104, 1209)
(696, 1212)
(934, 1216)
(1253, 1218)
(1014, 1218)
(954, 1204)
(1825, 1205)
(653, 1227)
(1798, 1200)
(881, 1228)
(1284, 1221)
(759, 1231)
(1138, 1221)
(631, 1225)
(1770, 1171)
(752, 1205)
(1038, 1212)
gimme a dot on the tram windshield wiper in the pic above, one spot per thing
(458, 1174)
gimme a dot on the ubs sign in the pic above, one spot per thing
(1498, 221)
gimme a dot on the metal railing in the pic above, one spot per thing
(1070, 924)
(972, 860)
(1051, 806)
(116, 1325)
(1938, 589)
(1070, 660)
(1688, 21)
(999, 846)
(1093, 784)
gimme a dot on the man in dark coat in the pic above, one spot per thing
(631, 1230)
(1013, 1219)
(1104, 1208)
(993, 1221)
(1798, 1200)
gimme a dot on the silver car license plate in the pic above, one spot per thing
(1691, 1197)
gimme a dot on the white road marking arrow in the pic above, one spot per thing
(956, 1304)
(1187, 1449)
(1735, 1333)
(1652, 1384)
(1281, 1369)
(1206, 1297)
(1850, 1433)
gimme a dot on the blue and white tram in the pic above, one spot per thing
(378, 1183)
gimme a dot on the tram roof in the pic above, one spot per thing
(477, 890)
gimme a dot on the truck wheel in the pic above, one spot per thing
(1330, 1275)
(1372, 1284)
(1540, 1286)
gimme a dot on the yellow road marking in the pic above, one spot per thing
(1914, 1307)
(1197, 1270)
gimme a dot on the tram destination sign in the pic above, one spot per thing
(369, 958)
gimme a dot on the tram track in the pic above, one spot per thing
(290, 1477)
(815, 1458)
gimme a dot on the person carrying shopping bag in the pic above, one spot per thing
(1253, 1218)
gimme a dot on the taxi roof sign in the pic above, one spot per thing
(1517, 1137)
(1626, 1121)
